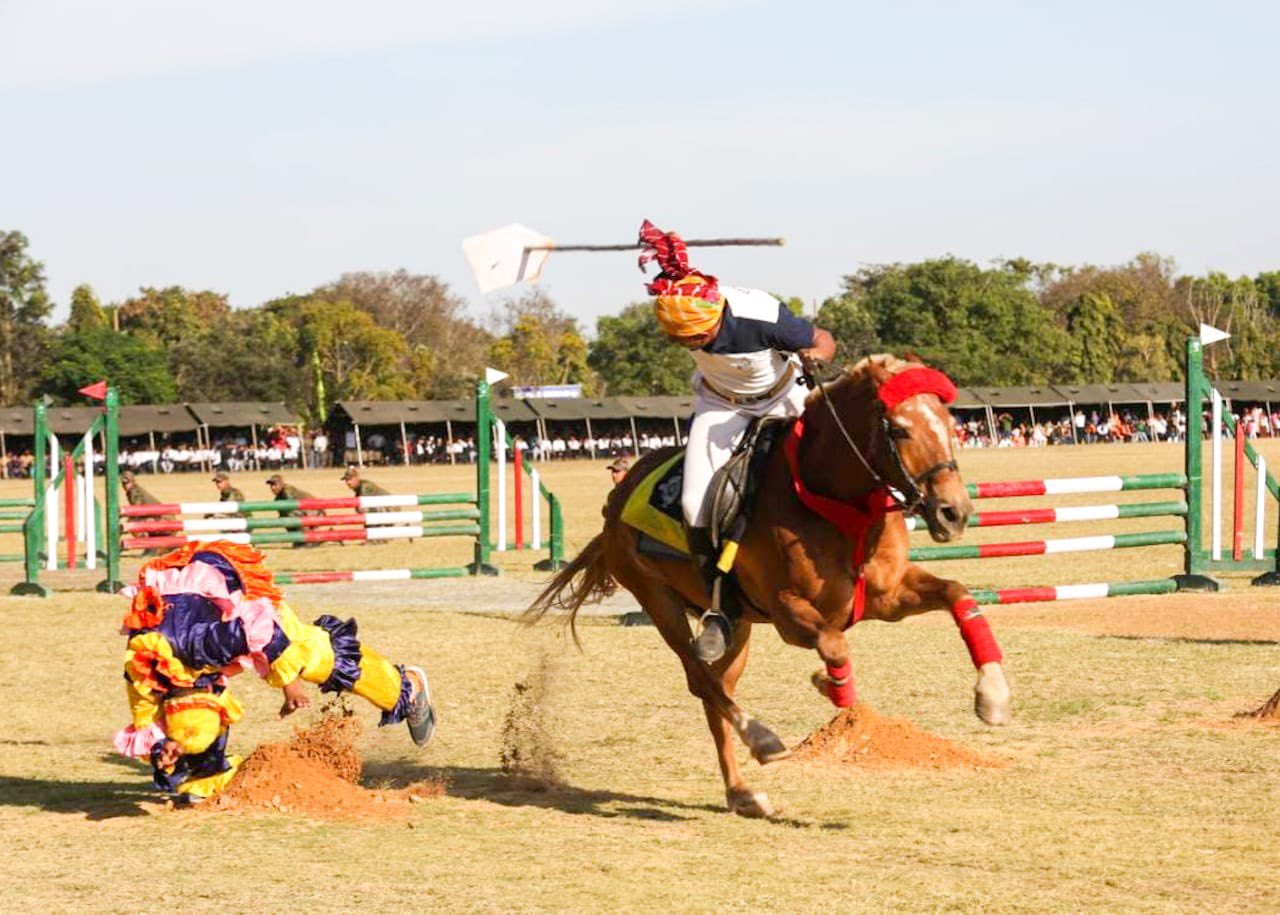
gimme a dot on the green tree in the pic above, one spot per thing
(136, 367)
(86, 310)
(357, 359)
(1269, 288)
(1239, 308)
(852, 326)
(251, 354)
(539, 344)
(167, 315)
(24, 306)
(984, 326)
(1100, 338)
(447, 349)
(633, 357)
(1150, 308)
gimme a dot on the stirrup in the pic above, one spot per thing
(713, 641)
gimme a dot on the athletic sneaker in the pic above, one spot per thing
(422, 714)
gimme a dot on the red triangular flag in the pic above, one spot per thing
(97, 390)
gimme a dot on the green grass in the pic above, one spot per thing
(1127, 784)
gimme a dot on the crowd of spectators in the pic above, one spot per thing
(557, 446)
(288, 448)
(1068, 429)
(280, 448)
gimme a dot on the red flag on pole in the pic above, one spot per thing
(97, 390)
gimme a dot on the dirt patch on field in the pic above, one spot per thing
(862, 736)
(529, 756)
(316, 773)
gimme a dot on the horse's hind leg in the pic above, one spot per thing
(766, 747)
(667, 610)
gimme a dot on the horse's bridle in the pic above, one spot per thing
(908, 494)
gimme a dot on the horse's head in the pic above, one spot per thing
(898, 407)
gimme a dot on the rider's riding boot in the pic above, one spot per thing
(717, 622)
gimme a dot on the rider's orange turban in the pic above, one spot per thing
(686, 303)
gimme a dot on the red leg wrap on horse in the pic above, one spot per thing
(976, 632)
(841, 690)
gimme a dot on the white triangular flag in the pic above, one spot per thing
(502, 258)
(1211, 335)
(493, 376)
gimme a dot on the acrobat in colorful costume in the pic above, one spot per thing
(210, 610)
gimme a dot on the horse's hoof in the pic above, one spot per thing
(820, 682)
(991, 711)
(766, 746)
(841, 695)
(991, 696)
(752, 804)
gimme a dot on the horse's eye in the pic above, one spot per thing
(899, 433)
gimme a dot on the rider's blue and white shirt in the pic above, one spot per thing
(754, 346)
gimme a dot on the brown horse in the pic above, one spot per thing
(826, 546)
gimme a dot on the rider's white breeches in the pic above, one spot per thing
(716, 428)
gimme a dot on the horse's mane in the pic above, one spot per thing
(860, 373)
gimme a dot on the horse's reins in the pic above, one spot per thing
(906, 499)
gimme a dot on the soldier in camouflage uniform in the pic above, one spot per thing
(136, 495)
(227, 493)
(288, 492)
(361, 487)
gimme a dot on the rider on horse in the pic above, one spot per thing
(745, 343)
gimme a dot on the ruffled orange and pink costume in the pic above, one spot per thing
(207, 612)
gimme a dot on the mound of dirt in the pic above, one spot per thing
(863, 737)
(316, 773)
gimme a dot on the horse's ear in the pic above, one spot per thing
(878, 369)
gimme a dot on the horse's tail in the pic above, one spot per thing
(586, 580)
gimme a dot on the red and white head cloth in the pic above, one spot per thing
(686, 302)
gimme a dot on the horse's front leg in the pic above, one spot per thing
(803, 625)
(920, 591)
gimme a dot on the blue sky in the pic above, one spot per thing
(260, 148)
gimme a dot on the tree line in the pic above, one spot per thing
(404, 336)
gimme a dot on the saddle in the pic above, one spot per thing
(654, 509)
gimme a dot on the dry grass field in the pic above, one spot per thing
(1125, 782)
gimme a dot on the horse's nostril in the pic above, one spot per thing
(950, 514)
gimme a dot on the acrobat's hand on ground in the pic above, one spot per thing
(295, 697)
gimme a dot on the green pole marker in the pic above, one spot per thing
(1152, 481)
(34, 525)
(484, 432)
(1193, 577)
(1129, 588)
(454, 572)
(111, 480)
(1193, 460)
(555, 559)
